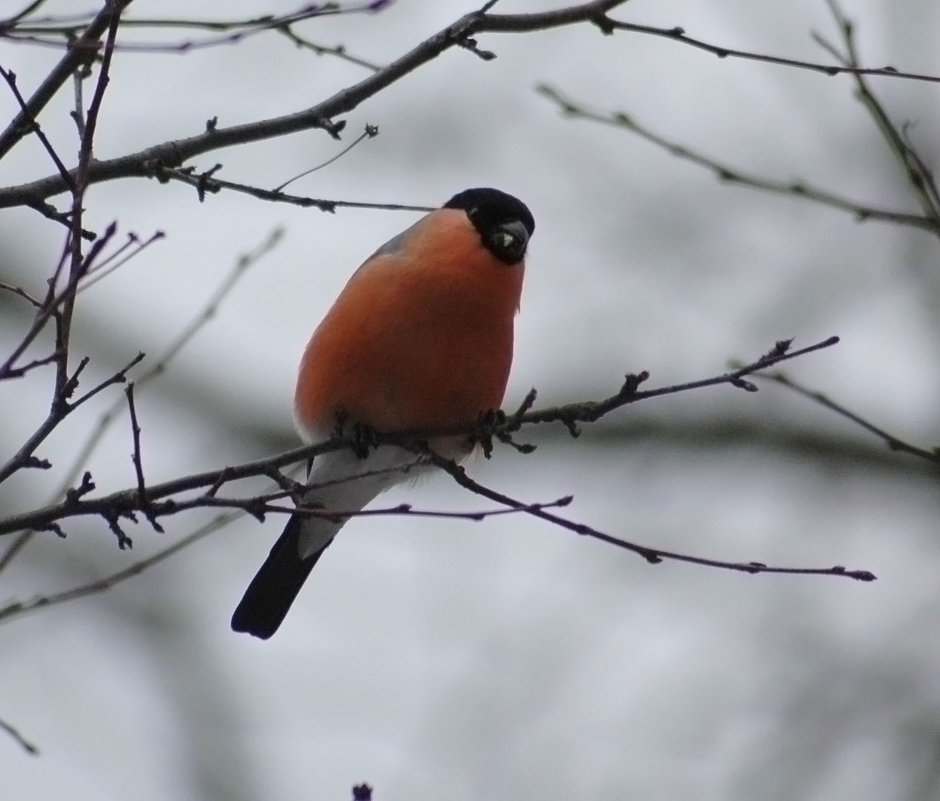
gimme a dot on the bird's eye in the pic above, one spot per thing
(505, 241)
(508, 244)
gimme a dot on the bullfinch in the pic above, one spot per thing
(420, 338)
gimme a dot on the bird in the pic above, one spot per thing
(420, 338)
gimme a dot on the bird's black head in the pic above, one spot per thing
(504, 222)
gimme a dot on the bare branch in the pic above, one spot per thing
(917, 174)
(126, 503)
(79, 266)
(10, 77)
(81, 51)
(651, 555)
(138, 460)
(18, 290)
(370, 132)
(890, 440)
(160, 365)
(589, 411)
(174, 153)
(206, 182)
(51, 31)
(21, 607)
(131, 248)
(61, 408)
(25, 744)
(339, 51)
(50, 212)
(725, 172)
(678, 34)
(50, 308)
(245, 261)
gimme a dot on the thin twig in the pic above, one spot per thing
(81, 51)
(206, 182)
(678, 34)
(116, 260)
(18, 608)
(162, 362)
(51, 304)
(242, 264)
(651, 555)
(10, 77)
(172, 154)
(18, 738)
(916, 173)
(49, 31)
(18, 290)
(893, 442)
(21, 607)
(138, 460)
(729, 174)
(339, 51)
(126, 502)
(25, 456)
(78, 265)
(50, 212)
(370, 132)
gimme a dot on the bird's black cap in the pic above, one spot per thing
(500, 219)
(493, 205)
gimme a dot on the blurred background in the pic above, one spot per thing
(506, 658)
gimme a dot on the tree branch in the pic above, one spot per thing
(25, 744)
(127, 503)
(80, 52)
(678, 34)
(176, 152)
(727, 173)
(651, 555)
(893, 442)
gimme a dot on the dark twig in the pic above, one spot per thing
(890, 440)
(50, 31)
(18, 290)
(22, 369)
(78, 265)
(61, 408)
(18, 738)
(10, 77)
(729, 174)
(162, 362)
(678, 34)
(81, 51)
(21, 607)
(589, 411)
(50, 212)
(172, 154)
(339, 51)
(126, 502)
(142, 500)
(51, 306)
(131, 248)
(207, 183)
(242, 264)
(651, 555)
(370, 132)
(916, 173)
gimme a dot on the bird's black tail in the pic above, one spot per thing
(275, 586)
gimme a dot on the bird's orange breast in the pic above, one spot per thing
(418, 338)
